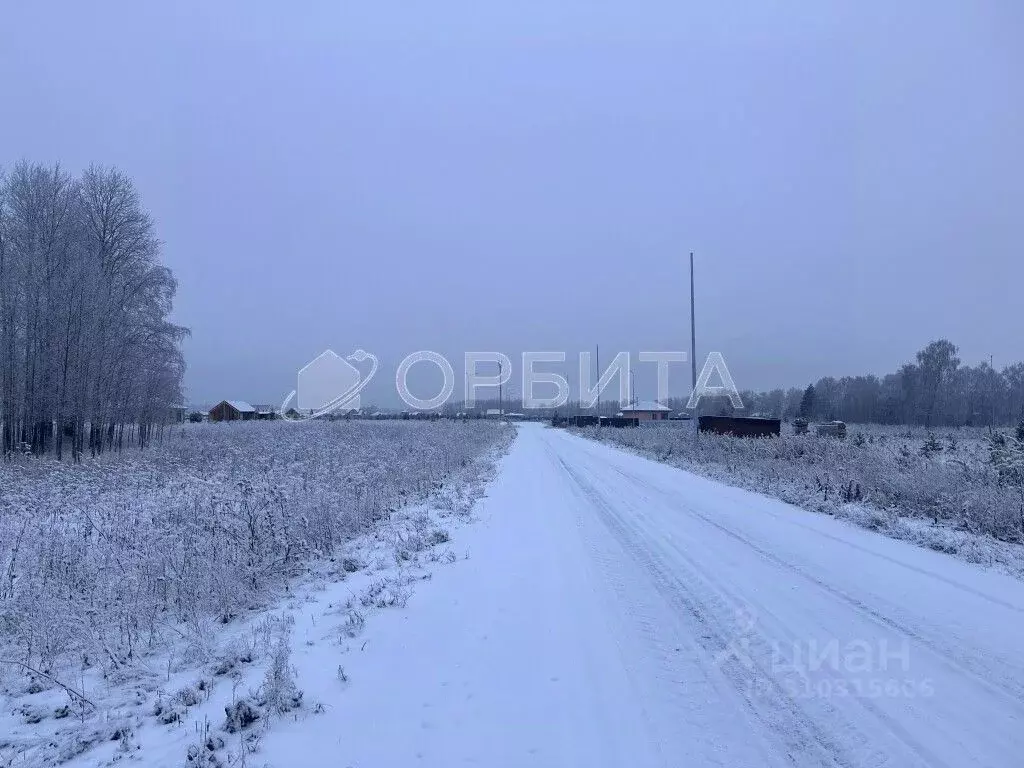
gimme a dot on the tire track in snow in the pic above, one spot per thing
(1012, 691)
(839, 742)
(866, 753)
(680, 709)
(737, 492)
(803, 742)
(967, 643)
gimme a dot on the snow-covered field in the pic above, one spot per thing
(136, 589)
(940, 490)
(602, 610)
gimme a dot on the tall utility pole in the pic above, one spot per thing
(501, 402)
(992, 391)
(693, 350)
(693, 332)
(597, 357)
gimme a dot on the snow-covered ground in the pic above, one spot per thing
(608, 610)
(617, 612)
(960, 492)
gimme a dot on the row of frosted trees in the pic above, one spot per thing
(934, 390)
(88, 358)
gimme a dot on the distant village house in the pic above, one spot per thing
(232, 410)
(646, 411)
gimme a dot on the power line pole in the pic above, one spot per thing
(597, 358)
(992, 390)
(693, 342)
(501, 402)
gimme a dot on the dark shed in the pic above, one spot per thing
(740, 426)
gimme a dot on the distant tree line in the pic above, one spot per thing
(934, 390)
(88, 358)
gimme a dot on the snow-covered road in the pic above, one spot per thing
(617, 612)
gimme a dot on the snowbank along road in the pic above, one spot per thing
(617, 612)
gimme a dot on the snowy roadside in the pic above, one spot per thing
(940, 535)
(616, 612)
(212, 697)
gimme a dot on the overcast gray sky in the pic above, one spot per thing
(531, 175)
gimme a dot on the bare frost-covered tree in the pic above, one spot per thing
(90, 359)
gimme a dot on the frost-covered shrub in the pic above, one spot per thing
(279, 692)
(205, 754)
(168, 711)
(100, 561)
(240, 715)
(386, 593)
